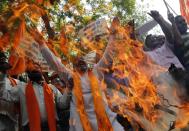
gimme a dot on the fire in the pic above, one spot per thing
(183, 116)
(137, 102)
(182, 119)
(141, 97)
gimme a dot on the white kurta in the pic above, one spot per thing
(17, 94)
(8, 114)
(163, 56)
(75, 124)
(87, 95)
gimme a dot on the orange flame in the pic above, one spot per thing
(4, 40)
(183, 116)
(19, 34)
(142, 93)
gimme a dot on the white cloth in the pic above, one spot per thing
(17, 94)
(89, 108)
(87, 95)
(8, 116)
(163, 56)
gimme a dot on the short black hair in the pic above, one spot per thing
(178, 17)
(2, 55)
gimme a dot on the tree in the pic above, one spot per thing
(60, 20)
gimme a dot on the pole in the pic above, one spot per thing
(171, 9)
(168, 11)
(168, 6)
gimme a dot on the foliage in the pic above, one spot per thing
(54, 17)
(3, 5)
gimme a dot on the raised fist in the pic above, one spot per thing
(154, 14)
(171, 18)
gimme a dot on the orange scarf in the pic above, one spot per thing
(103, 121)
(12, 81)
(33, 108)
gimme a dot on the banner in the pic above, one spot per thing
(95, 30)
(184, 8)
(30, 49)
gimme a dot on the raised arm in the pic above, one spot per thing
(176, 34)
(62, 100)
(51, 59)
(165, 26)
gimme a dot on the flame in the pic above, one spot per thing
(136, 102)
(141, 96)
(183, 116)
(3, 42)
(19, 34)
(182, 119)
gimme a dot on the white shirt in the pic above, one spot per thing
(17, 94)
(87, 94)
(163, 56)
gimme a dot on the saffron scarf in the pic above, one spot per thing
(103, 121)
(33, 108)
(12, 81)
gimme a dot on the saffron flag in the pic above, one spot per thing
(184, 8)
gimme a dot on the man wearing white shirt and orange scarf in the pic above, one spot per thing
(37, 100)
(89, 110)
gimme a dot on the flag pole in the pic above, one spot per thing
(169, 7)
(168, 11)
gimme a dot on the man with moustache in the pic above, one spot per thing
(37, 101)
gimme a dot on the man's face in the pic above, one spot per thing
(81, 65)
(33, 71)
(153, 41)
(181, 24)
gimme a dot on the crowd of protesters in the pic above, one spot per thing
(40, 105)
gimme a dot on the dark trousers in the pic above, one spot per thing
(44, 127)
(64, 116)
(6, 124)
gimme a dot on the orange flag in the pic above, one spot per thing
(17, 63)
(63, 42)
(19, 34)
(184, 8)
(4, 41)
(39, 1)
